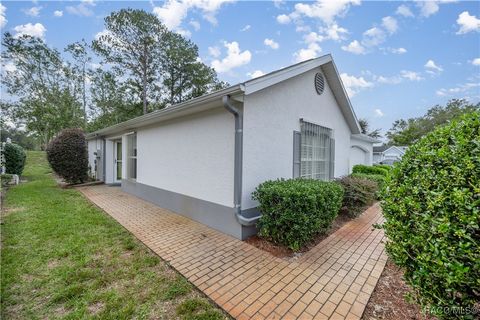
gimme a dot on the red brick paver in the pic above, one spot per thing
(334, 280)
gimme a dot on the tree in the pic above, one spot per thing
(111, 101)
(79, 52)
(133, 43)
(45, 100)
(365, 126)
(184, 76)
(406, 132)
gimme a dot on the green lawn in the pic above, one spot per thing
(62, 257)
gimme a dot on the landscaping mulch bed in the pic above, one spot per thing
(284, 252)
(388, 299)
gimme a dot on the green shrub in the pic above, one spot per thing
(68, 156)
(360, 168)
(431, 203)
(383, 166)
(14, 158)
(378, 178)
(295, 210)
(359, 193)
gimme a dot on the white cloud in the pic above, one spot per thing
(354, 85)
(378, 113)
(283, 19)
(398, 50)
(334, 32)
(373, 37)
(325, 10)
(312, 51)
(246, 28)
(390, 24)
(82, 9)
(235, 58)
(467, 23)
(476, 62)
(58, 13)
(278, 3)
(195, 24)
(459, 89)
(34, 30)
(214, 51)
(271, 43)
(3, 19)
(255, 74)
(33, 11)
(173, 12)
(432, 67)
(404, 11)
(388, 80)
(411, 75)
(428, 8)
(354, 47)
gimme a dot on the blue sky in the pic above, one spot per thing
(397, 59)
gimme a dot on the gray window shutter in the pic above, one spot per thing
(332, 159)
(297, 142)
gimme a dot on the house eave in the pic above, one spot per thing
(364, 137)
(195, 105)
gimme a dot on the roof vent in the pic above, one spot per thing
(319, 83)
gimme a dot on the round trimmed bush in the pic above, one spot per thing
(68, 156)
(295, 210)
(14, 157)
(431, 203)
(360, 168)
(359, 193)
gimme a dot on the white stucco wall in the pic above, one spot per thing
(192, 156)
(271, 116)
(361, 152)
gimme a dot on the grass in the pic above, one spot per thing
(62, 257)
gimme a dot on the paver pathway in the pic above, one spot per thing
(334, 280)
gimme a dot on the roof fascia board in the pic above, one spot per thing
(363, 137)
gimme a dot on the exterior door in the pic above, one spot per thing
(118, 161)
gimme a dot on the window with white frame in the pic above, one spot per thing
(132, 156)
(316, 152)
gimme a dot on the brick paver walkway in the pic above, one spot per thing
(334, 280)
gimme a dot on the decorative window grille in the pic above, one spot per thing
(132, 156)
(317, 152)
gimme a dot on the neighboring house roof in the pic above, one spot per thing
(380, 149)
(399, 149)
(237, 91)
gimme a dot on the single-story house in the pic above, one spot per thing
(385, 154)
(203, 158)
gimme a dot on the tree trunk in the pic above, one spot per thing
(144, 69)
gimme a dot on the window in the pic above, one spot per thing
(132, 156)
(316, 152)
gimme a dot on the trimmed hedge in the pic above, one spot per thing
(383, 166)
(14, 158)
(359, 193)
(378, 178)
(68, 156)
(295, 210)
(432, 208)
(360, 168)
